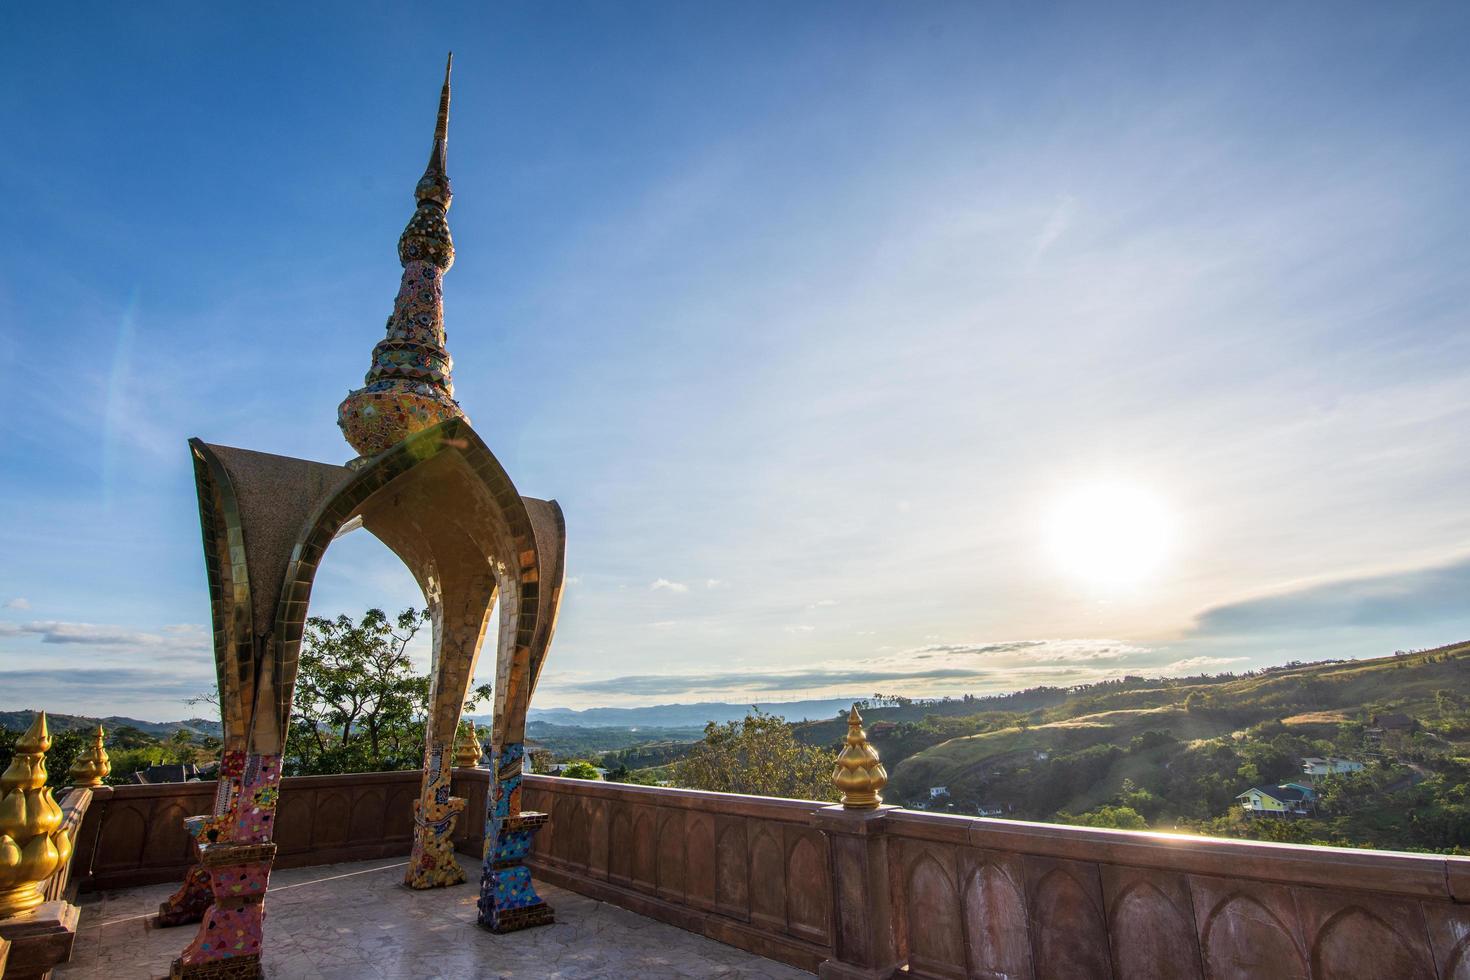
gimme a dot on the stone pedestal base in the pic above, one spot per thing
(508, 899)
(228, 943)
(39, 940)
(433, 864)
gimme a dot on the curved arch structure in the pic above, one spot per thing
(442, 502)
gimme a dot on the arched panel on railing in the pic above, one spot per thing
(732, 868)
(1151, 924)
(767, 877)
(808, 886)
(1247, 935)
(645, 854)
(936, 943)
(671, 855)
(996, 939)
(699, 860)
(1355, 937)
(1066, 892)
(620, 844)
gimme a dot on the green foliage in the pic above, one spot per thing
(588, 742)
(359, 705)
(637, 777)
(1116, 817)
(759, 756)
(580, 769)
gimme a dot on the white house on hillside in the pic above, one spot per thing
(1330, 766)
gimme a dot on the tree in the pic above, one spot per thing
(758, 756)
(1116, 817)
(580, 769)
(359, 706)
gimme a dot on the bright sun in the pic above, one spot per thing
(1109, 535)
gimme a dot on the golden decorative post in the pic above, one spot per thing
(859, 774)
(467, 753)
(32, 844)
(92, 764)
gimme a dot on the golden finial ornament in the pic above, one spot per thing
(408, 386)
(32, 844)
(859, 774)
(92, 764)
(467, 753)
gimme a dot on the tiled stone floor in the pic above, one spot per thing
(349, 921)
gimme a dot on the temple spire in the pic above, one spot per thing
(436, 176)
(408, 387)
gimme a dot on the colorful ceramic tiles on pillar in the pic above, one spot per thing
(508, 899)
(193, 898)
(236, 854)
(228, 943)
(432, 864)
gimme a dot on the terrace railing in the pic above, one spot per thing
(854, 894)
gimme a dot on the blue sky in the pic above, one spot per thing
(807, 314)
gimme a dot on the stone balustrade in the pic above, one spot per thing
(134, 835)
(859, 894)
(750, 871)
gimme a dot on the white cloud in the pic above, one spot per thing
(1195, 665)
(935, 670)
(185, 639)
(802, 628)
(19, 602)
(663, 583)
(823, 603)
(712, 583)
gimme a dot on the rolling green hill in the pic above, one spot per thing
(1175, 752)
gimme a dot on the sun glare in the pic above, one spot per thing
(1109, 535)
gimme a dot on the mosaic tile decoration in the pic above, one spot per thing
(237, 862)
(432, 863)
(408, 387)
(403, 416)
(508, 899)
(239, 874)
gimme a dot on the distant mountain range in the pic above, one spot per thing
(656, 716)
(21, 720)
(685, 715)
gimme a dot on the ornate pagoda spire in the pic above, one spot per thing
(408, 387)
